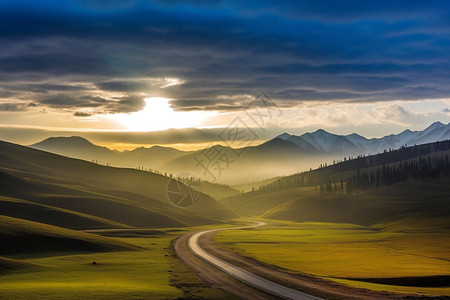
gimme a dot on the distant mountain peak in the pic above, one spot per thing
(162, 148)
(79, 147)
(154, 149)
(320, 131)
(283, 136)
(64, 139)
(355, 135)
(435, 125)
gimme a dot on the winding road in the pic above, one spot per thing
(240, 274)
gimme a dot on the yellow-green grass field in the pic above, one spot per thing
(151, 273)
(341, 251)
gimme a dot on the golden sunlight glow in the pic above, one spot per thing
(158, 115)
(179, 146)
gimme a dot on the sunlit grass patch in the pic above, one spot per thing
(346, 250)
(115, 275)
(150, 273)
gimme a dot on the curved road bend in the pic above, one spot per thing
(240, 274)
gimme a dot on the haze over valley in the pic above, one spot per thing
(282, 155)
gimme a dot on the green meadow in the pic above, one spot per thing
(395, 256)
(152, 272)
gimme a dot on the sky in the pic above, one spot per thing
(130, 73)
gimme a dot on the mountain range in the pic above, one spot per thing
(324, 142)
(78, 147)
(282, 155)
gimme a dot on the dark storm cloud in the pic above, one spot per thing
(204, 104)
(68, 101)
(126, 104)
(82, 114)
(294, 50)
(7, 94)
(122, 86)
(12, 107)
(43, 88)
(16, 106)
(97, 104)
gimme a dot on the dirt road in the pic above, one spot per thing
(304, 283)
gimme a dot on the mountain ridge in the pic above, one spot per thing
(282, 155)
(79, 147)
(308, 138)
(437, 131)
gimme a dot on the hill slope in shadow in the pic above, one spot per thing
(26, 237)
(72, 193)
(411, 183)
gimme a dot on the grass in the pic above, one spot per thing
(8, 265)
(346, 251)
(99, 196)
(151, 273)
(21, 237)
(51, 215)
(117, 275)
(414, 199)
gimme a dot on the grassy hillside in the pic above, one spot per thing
(115, 209)
(217, 191)
(26, 237)
(419, 162)
(9, 265)
(408, 183)
(77, 194)
(54, 168)
(249, 186)
(402, 201)
(53, 215)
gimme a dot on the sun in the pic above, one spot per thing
(159, 115)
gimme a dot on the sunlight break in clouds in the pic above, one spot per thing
(158, 115)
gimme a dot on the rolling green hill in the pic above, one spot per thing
(26, 237)
(411, 183)
(402, 202)
(9, 265)
(53, 215)
(73, 193)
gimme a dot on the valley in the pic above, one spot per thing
(328, 232)
(224, 150)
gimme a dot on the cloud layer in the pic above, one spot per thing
(96, 57)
